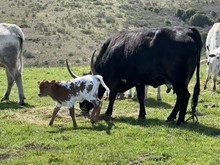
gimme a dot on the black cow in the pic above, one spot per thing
(153, 57)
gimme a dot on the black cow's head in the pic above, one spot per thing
(85, 106)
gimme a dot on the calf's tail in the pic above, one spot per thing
(103, 84)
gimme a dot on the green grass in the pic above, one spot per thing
(26, 137)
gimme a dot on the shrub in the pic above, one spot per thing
(181, 14)
(190, 12)
(28, 54)
(168, 23)
(110, 19)
(204, 35)
(87, 31)
(156, 10)
(214, 14)
(200, 20)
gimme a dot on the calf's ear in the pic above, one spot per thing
(53, 81)
(38, 82)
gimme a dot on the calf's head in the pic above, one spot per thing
(45, 87)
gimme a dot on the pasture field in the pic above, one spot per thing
(26, 137)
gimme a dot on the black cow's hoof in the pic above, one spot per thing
(169, 119)
(141, 117)
(22, 104)
(179, 122)
(107, 117)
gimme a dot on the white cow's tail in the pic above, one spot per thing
(203, 61)
(19, 33)
(21, 55)
(103, 84)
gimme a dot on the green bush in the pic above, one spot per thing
(190, 12)
(204, 35)
(200, 20)
(179, 12)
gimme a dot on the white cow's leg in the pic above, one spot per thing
(146, 92)
(159, 98)
(129, 93)
(214, 81)
(19, 83)
(207, 77)
(10, 83)
(135, 92)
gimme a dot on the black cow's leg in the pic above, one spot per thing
(183, 95)
(140, 95)
(112, 95)
(174, 112)
(181, 104)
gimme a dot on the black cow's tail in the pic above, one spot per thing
(196, 91)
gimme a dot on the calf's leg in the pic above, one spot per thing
(96, 110)
(55, 111)
(72, 114)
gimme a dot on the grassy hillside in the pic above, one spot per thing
(73, 29)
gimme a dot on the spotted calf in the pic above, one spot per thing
(68, 92)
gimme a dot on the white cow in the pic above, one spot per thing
(213, 39)
(11, 46)
(212, 53)
(159, 97)
(213, 63)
